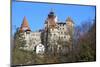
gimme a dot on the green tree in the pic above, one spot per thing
(19, 39)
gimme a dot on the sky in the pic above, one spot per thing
(36, 13)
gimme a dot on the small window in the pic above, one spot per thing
(27, 32)
(33, 42)
(59, 37)
(54, 34)
(51, 34)
(64, 36)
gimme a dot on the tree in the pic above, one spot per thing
(85, 49)
(19, 39)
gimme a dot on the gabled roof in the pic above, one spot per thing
(61, 23)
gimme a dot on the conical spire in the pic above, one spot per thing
(24, 25)
(69, 22)
(69, 19)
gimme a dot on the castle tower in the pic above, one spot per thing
(70, 30)
(69, 22)
(24, 26)
(70, 25)
(51, 20)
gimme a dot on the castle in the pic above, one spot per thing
(54, 38)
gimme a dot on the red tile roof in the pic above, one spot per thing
(24, 24)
